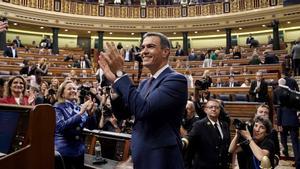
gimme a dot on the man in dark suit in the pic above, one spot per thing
(270, 57)
(219, 83)
(11, 51)
(209, 140)
(156, 104)
(82, 63)
(232, 82)
(287, 119)
(249, 39)
(290, 82)
(18, 42)
(259, 89)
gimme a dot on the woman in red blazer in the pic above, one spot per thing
(14, 91)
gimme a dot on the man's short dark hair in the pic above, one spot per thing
(164, 41)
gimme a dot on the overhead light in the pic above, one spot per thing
(66, 30)
(132, 33)
(218, 30)
(89, 31)
(196, 31)
(41, 27)
(240, 28)
(174, 33)
(15, 24)
(110, 33)
(288, 22)
(263, 25)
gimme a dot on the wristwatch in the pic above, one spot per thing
(119, 73)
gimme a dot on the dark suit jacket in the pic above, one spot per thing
(206, 148)
(271, 58)
(291, 83)
(235, 84)
(262, 91)
(8, 52)
(18, 42)
(77, 64)
(286, 114)
(158, 110)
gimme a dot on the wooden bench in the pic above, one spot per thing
(56, 71)
(61, 79)
(269, 77)
(199, 70)
(18, 61)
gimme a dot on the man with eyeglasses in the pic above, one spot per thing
(209, 140)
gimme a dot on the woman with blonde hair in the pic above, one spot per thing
(71, 118)
(14, 91)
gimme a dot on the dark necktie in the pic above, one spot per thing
(149, 83)
(217, 130)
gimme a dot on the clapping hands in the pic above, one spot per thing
(89, 106)
(111, 61)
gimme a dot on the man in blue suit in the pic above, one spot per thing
(157, 104)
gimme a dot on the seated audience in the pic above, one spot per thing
(246, 83)
(219, 83)
(237, 53)
(232, 82)
(255, 60)
(270, 57)
(11, 51)
(34, 97)
(82, 63)
(42, 67)
(192, 56)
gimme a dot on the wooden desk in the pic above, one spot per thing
(33, 138)
(88, 163)
(114, 145)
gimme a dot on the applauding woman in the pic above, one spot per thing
(14, 91)
(71, 118)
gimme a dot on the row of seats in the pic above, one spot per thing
(233, 97)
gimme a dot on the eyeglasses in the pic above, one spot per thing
(211, 107)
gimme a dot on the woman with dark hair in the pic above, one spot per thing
(14, 91)
(71, 118)
(254, 147)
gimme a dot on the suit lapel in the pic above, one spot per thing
(156, 81)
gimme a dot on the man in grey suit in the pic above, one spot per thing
(296, 57)
(157, 104)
